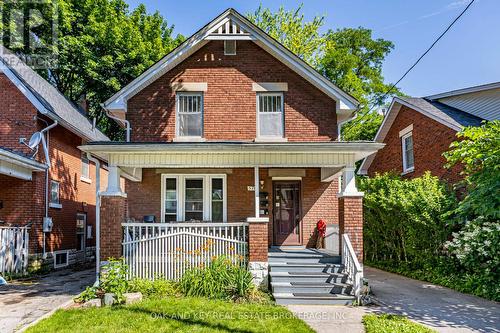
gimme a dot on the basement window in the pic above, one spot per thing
(61, 259)
(229, 47)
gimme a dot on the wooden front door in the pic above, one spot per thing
(286, 213)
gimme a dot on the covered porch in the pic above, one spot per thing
(274, 192)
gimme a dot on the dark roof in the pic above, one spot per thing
(55, 103)
(447, 113)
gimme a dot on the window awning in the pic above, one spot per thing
(18, 166)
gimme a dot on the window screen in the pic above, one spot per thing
(171, 200)
(217, 200)
(270, 115)
(190, 114)
(194, 200)
(408, 159)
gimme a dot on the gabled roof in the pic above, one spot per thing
(231, 25)
(444, 114)
(464, 91)
(46, 98)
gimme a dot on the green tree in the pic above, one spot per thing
(351, 58)
(290, 29)
(102, 46)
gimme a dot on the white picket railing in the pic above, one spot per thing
(352, 266)
(167, 250)
(14, 242)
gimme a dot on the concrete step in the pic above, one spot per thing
(316, 299)
(311, 288)
(298, 257)
(315, 277)
(305, 267)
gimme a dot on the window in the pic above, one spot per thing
(189, 115)
(194, 198)
(61, 259)
(54, 194)
(81, 221)
(408, 160)
(85, 168)
(229, 47)
(270, 115)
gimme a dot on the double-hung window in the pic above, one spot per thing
(193, 197)
(407, 146)
(85, 168)
(270, 120)
(189, 117)
(55, 201)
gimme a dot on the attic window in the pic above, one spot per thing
(229, 47)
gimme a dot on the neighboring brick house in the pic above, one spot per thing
(417, 131)
(232, 127)
(29, 104)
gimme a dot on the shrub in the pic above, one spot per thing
(221, 279)
(158, 288)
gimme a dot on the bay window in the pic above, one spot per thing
(191, 197)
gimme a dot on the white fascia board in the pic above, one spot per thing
(118, 101)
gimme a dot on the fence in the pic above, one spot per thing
(352, 266)
(14, 243)
(169, 249)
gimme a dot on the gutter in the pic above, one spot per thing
(340, 123)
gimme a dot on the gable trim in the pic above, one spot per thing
(119, 100)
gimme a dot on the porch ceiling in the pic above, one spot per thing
(232, 154)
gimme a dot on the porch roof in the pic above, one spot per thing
(16, 165)
(232, 153)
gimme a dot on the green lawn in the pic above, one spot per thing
(392, 323)
(175, 315)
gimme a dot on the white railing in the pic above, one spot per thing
(167, 250)
(352, 266)
(14, 243)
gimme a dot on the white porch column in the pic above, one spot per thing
(113, 188)
(348, 187)
(257, 192)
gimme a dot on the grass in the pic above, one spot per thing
(387, 323)
(175, 315)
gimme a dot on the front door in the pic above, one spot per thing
(286, 213)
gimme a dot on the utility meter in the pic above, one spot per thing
(47, 224)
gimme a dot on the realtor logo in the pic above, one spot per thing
(29, 28)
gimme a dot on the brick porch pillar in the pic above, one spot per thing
(351, 222)
(112, 217)
(257, 251)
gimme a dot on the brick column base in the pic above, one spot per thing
(351, 222)
(112, 216)
(257, 251)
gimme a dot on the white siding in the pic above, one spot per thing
(484, 104)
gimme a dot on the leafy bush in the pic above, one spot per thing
(158, 288)
(113, 279)
(221, 279)
(404, 220)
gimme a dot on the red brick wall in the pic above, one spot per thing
(230, 103)
(319, 200)
(351, 222)
(257, 242)
(430, 139)
(112, 215)
(24, 201)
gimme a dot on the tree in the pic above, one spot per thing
(102, 46)
(288, 28)
(348, 57)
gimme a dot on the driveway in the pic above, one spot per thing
(440, 308)
(21, 303)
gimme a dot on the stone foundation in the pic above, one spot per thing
(260, 273)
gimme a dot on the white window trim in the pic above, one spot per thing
(406, 130)
(59, 252)
(55, 204)
(85, 178)
(235, 47)
(403, 151)
(207, 195)
(272, 138)
(178, 137)
(84, 233)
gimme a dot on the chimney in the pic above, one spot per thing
(83, 104)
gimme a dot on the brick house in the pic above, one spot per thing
(417, 131)
(230, 130)
(31, 191)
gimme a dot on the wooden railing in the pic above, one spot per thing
(352, 266)
(167, 250)
(14, 242)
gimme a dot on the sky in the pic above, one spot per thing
(468, 55)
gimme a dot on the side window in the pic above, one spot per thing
(85, 167)
(55, 201)
(270, 118)
(407, 145)
(189, 121)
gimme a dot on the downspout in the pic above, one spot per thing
(340, 123)
(127, 123)
(47, 162)
(97, 216)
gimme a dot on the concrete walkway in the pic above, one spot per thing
(440, 308)
(21, 303)
(331, 318)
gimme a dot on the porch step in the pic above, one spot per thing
(315, 299)
(310, 288)
(299, 257)
(315, 277)
(306, 267)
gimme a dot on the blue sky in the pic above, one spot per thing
(468, 55)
